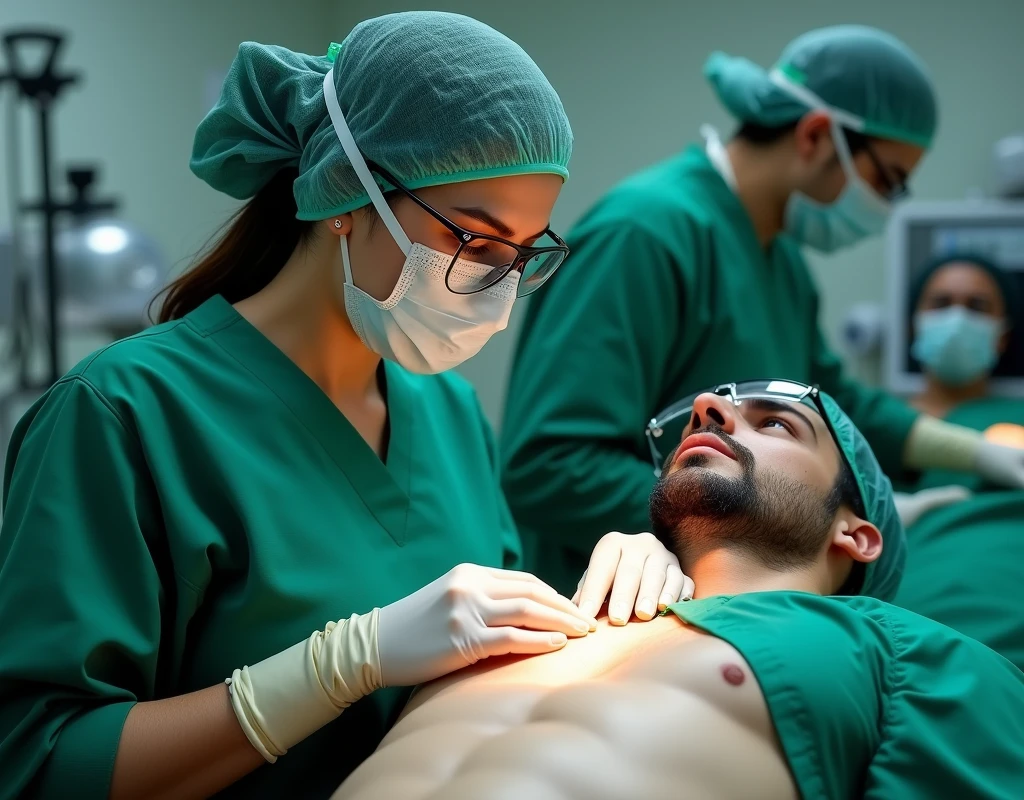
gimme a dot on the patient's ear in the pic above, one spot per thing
(856, 537)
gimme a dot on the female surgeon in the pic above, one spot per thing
(266, 487)
(964, 565)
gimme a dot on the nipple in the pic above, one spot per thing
(733, 674)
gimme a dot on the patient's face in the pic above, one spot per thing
(760, 477)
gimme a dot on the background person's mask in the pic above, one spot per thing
(956, 345)
(422, 326)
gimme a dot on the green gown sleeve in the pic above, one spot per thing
(80, 595)
(511, 545)
(588, 371)
(883, 419)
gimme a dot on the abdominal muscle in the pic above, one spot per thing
(652, 710)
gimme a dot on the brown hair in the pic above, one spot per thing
(245, 255)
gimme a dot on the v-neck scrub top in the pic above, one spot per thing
(188, 501)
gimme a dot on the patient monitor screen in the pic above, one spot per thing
(919, 241)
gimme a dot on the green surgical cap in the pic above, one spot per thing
(882, 576)
(432, 97)
(862, 71)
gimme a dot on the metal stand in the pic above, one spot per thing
(43, 91)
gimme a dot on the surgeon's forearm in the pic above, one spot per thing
(182, 747)
(934, 444)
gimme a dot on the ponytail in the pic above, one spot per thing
(252, 247)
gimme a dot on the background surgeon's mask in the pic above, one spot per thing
(858, 212)
(422, 326)
(957, 345)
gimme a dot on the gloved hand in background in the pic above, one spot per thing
(911, 507)
(935, 444)
(1000, 464)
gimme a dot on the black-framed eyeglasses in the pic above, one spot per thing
(895, 188)
(498, 257)
(670, 423)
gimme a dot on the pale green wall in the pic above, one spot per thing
(629, 74)
(630, 81)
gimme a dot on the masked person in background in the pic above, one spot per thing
(965, 311)
(965, 316)
(690, 274)
(962, 309)
(276, 486)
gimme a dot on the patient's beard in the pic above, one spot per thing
(777, 520)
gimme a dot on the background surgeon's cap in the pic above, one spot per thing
(432, 97)
(862, 71)
(882, 576)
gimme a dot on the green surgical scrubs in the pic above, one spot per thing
(667, 292)
(965, 562)
(187, 502)
(870, 700)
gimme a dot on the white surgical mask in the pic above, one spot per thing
(423, 325)
(858, 212)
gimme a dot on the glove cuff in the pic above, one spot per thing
(934, 444)
(284, 699)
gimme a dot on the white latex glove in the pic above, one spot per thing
(1000, 464)
(285, 698)
(642, 575)
(468, 614)
(911, 507)
(472, 613)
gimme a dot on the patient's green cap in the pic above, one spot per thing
(881, 577)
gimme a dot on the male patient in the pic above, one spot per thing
(765, 685)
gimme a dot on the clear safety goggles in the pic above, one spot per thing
(670, 423)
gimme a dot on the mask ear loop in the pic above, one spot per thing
(348, 144)
(850, 169)
(346, 261)
(838, 119)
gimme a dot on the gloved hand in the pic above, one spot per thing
(911, 507)
(468, 614)
(1001, 465)
(641, 574)
(472, 613)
